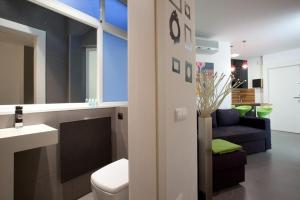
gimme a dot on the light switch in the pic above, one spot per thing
(180, 114)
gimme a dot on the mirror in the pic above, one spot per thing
(45, 57)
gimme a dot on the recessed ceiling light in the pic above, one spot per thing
(234, 55)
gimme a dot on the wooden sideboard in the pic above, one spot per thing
(244, 96)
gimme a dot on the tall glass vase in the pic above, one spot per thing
(205, 156)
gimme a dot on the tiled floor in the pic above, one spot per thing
(274, 175)
(87, 197)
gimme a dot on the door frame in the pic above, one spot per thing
(268, 70)
(266, 75)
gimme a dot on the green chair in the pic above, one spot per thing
(243, 110)
(263, 112)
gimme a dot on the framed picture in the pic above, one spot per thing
(205, 67)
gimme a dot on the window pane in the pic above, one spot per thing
(115, 79)
(116, 13)
(90, 7)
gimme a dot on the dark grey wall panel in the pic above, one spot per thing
(28, 75)
(84, 146)
(77, 69)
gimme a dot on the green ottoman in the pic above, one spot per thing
(229, 162)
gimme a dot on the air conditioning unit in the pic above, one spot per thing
(206, 46)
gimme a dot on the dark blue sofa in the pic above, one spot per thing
(254, 134)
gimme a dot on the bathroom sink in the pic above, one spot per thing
(20, 139)
(27, 137)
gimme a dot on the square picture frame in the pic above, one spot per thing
(176, 65)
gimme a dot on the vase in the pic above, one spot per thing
(205, 156)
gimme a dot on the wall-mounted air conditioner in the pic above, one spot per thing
(206, 46)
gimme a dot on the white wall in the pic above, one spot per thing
(255, 71)
(177, 140)
(284, 105)
(12, 73)
(142, 100)
(222, 61)
(259, 67)
(289, 57)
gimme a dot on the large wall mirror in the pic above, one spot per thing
(45, 57)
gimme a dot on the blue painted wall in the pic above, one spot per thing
(116, 13)
(115, 70)
(90, 7)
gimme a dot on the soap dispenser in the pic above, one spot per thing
(19, 117)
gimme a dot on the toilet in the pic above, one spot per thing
(111, 181)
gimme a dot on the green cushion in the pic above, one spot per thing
(243, 110)
(220, 146)
(262, 112)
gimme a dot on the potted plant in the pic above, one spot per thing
(211, 90)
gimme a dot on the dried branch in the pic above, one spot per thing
(211, 90)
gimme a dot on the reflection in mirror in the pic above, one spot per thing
(16, 77)
(70, 56)
(82, 62)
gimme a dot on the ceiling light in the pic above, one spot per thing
(232, 68)
(234, 55)
(245, 64)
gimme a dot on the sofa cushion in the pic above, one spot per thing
(238, 134)
(228, 117)
(214, 119)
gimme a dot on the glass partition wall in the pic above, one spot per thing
(115, 55)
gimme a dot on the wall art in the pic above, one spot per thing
(205, 67)
(188, 38)
(177, 4)
(187, 10)
(174, 30)
(176, 65)
(188, 72)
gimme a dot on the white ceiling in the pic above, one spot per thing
(267, 25)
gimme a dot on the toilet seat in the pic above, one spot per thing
(112, 178)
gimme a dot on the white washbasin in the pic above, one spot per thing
(19, 139)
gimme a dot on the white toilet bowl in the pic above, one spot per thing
(111, 181)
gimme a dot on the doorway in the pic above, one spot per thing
(284, 92)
